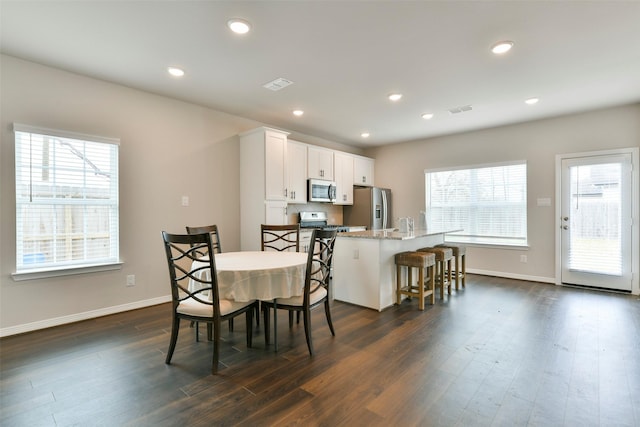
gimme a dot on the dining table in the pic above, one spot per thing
(262, 275)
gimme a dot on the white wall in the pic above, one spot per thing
(401, 168)
(168, 149)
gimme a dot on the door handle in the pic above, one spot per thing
(565, 227)
(566, 218)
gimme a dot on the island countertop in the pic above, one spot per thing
(394, 234)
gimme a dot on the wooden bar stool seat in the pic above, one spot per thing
(460, 270)
(442, 267)
(425, 285)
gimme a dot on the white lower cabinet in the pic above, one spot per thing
(305, 240)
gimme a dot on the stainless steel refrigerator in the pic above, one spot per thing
(371, 208)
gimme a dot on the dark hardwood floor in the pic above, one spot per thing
(500, 353)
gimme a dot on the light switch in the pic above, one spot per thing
(185, 200)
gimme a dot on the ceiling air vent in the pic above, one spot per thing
(277, 84)
(462, 109)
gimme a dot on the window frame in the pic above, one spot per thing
(519, 242)
(62, 268)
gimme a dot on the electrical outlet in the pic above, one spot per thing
(523, 258)
(356, 254)
(131, 280)
(185, 200)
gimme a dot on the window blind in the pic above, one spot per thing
(67, 208)
(488, 202)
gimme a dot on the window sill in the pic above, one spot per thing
(519, 247)
(67, 271)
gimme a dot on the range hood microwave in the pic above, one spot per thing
(321, 191)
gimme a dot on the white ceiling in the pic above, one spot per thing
(345, 57)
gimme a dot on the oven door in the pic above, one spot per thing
(321, 191)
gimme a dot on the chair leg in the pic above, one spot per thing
(175, 326)
(258, 314)
(421, 289)
(327, 312)
(230, 325)
(267, 320)
(449, 277)
(249, 317)
(432, 283)
(209, 337)
(216, 346)
(197, 329)
(307, 330)
(290, 319)
(464, 271)
(457, 272)
(275, 326)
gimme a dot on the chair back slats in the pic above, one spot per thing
(280, 237)
(211, 229)
(192, 270)
(319, 262)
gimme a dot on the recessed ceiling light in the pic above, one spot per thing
(502, 47)
(239, 26)
(365, 134)
(395, 96)
(298, 113)
(532, 101)
(427, 116)
(175, 72)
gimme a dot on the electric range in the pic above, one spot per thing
(318, 220)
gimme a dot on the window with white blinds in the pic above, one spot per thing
(66, 200)
(488, 203)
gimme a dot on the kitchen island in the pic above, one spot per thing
(364, 269)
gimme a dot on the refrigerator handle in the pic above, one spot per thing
(384, 210)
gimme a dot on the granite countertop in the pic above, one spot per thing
(393, 234)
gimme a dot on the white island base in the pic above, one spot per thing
(364, 269)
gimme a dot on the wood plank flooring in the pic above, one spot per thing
(500, 353)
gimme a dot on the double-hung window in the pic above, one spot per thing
(66, 200)
(487, 202)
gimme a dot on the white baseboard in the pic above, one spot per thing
(551, 280)
(56, 321)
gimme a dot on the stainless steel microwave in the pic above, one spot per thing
(321, 191)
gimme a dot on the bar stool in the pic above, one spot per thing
(459, 255)
(443, 264)
(422, 261)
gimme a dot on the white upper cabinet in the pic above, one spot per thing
(320, 163)
(344, 178)
(297, 170)
(363, 168)
(276, 177)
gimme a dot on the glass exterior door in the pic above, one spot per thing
(596, 221)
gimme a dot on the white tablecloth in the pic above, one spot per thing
(245, 276)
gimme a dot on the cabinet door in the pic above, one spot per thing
(363, 171)
(297, 171)
(344, 178)
(275, 213)
(275, 166)
(320, 161)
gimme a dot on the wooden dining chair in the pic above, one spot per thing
(217, 248)
(316, 289)
(280, 237)
(194, 290)
(211, 229)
